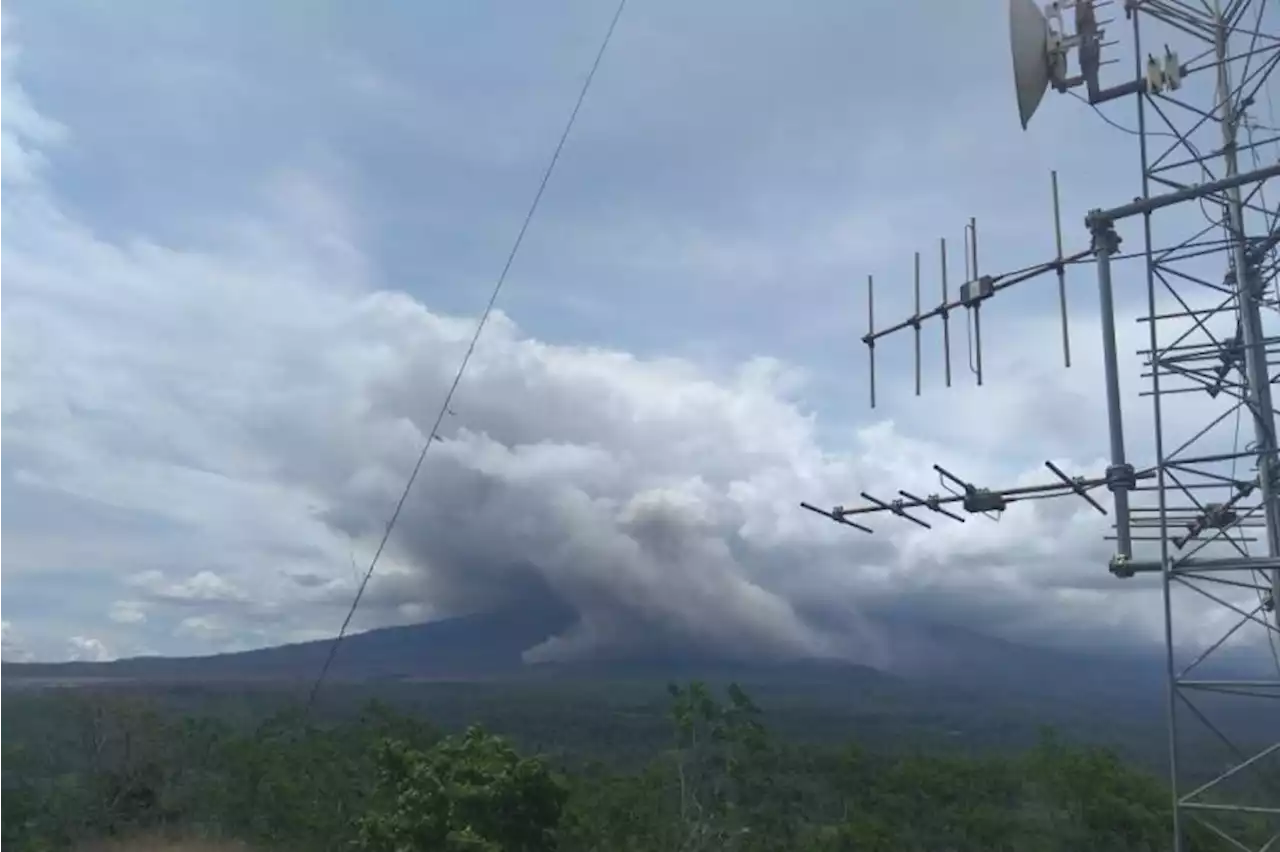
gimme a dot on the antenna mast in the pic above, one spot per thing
(1204, 515)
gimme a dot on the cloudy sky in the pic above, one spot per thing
(245, 246)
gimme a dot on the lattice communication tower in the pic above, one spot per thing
(1203, 514)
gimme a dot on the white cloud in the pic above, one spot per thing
(203, 587)
(11, 646)
(128, 612)
(87, 649)
(202, 626)
(22, 163)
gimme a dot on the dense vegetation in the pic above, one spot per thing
(113, 764)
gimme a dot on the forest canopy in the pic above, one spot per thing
(382, 780)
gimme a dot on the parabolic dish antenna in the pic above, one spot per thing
(1029, 39)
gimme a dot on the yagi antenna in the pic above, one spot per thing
(976, 289)
(971, 498)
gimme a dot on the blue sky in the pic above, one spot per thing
(245, 245)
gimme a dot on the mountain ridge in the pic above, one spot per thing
(491, 645)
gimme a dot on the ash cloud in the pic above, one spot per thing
(658, 503)
(646, 545)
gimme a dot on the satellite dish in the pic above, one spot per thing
(1029, 39)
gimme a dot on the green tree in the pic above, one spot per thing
(734, 788)
(623, 811)
(1094, 800)
(472, 792)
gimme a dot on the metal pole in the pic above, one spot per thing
(1247, 295)
(1120, 474)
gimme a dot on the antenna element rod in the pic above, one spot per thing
(946, 315)
(871, 330)
(915, 321)
(1062, 273)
